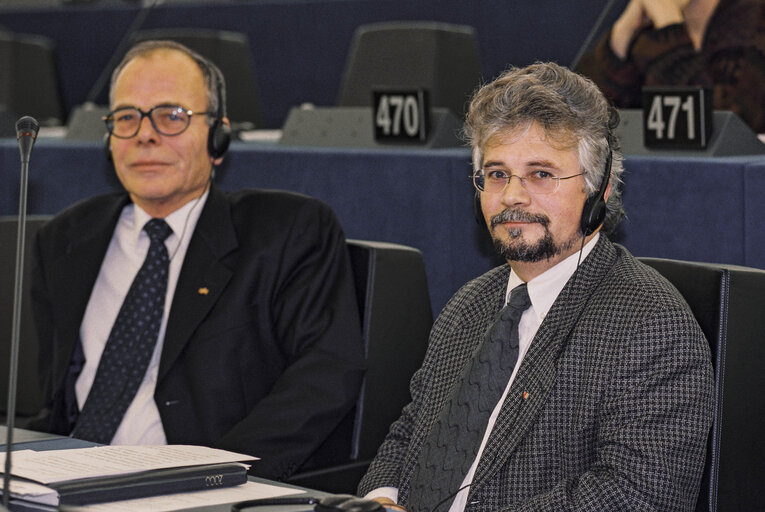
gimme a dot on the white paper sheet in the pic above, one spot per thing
(52, 466)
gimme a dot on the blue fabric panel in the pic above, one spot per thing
(753, 205)
(684, 208)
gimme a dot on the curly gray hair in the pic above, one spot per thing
(569, 107)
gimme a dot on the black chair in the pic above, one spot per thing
(729, 304)
(29, 82)
(29, 400)
(393, 300)
(438, 57)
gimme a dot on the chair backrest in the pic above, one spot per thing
(394, 305)
(393, 298)
(28, 395)
(438, 57)
(29, 81)
(230, 51)
(729, 304)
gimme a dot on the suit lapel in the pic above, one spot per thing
(77, 269)
(203, 276)
(536, 376)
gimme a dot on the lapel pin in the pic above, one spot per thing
(203, 291)
(525, 395)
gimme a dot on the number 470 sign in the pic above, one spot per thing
(677, 117)
(401, 115)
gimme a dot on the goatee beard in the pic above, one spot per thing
(517, 249)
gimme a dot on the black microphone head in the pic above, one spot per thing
(26, 133)
(27, 125)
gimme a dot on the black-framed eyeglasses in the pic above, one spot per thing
(494, 181)
(125, 122)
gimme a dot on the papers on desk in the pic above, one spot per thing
(90, 475)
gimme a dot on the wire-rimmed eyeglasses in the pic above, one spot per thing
(125, 122)
(494, 181)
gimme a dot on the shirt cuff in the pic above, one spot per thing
(383, 492)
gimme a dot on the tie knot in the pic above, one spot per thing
(158, 230)
(519, 298)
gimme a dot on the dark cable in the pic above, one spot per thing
(120, 50)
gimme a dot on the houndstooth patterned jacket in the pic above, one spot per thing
(610, 410)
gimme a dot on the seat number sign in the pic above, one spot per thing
(676, 117)
(401, 116)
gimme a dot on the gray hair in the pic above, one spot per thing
(569, 107)
(214, 81)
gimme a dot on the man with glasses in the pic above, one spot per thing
(574, 377)
(176, 313)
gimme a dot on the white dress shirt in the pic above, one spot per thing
(124, 257)
(543, 290)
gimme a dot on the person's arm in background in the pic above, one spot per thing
(640, 14)
(645, 33)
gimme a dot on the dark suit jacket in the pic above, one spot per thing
(263, 351)
(618, 405)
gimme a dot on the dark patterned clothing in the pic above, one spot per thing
(731, 62)
(610, 409)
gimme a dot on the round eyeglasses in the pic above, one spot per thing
(494, 181)
(125, 122)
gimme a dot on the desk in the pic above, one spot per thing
(677, 207)
(31, 440)
(22, 436)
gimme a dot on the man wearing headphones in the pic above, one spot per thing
(176, 313)
(574, 377)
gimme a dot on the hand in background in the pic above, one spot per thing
(642, 13)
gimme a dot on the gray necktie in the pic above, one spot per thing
(452, 444)
(130, 345)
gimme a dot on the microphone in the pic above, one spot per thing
(329, 503)
(26, 131)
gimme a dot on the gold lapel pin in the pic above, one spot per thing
(203, 291)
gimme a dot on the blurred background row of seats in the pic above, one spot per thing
(446, 64)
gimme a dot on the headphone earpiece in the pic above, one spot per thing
(108, 146)
(219, 137)
(477, 210)
(594, 211)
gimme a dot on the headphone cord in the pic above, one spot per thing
(188, 216)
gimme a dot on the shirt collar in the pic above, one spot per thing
(545, 288)
(180, 221)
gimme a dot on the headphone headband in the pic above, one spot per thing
(219, 136)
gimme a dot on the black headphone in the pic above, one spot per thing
(593, 212)
(219, 136)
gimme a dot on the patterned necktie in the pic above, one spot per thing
(130, 345)
(452, 444)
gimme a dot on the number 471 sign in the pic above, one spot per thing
(677, 117)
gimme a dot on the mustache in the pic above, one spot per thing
(516, 215)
